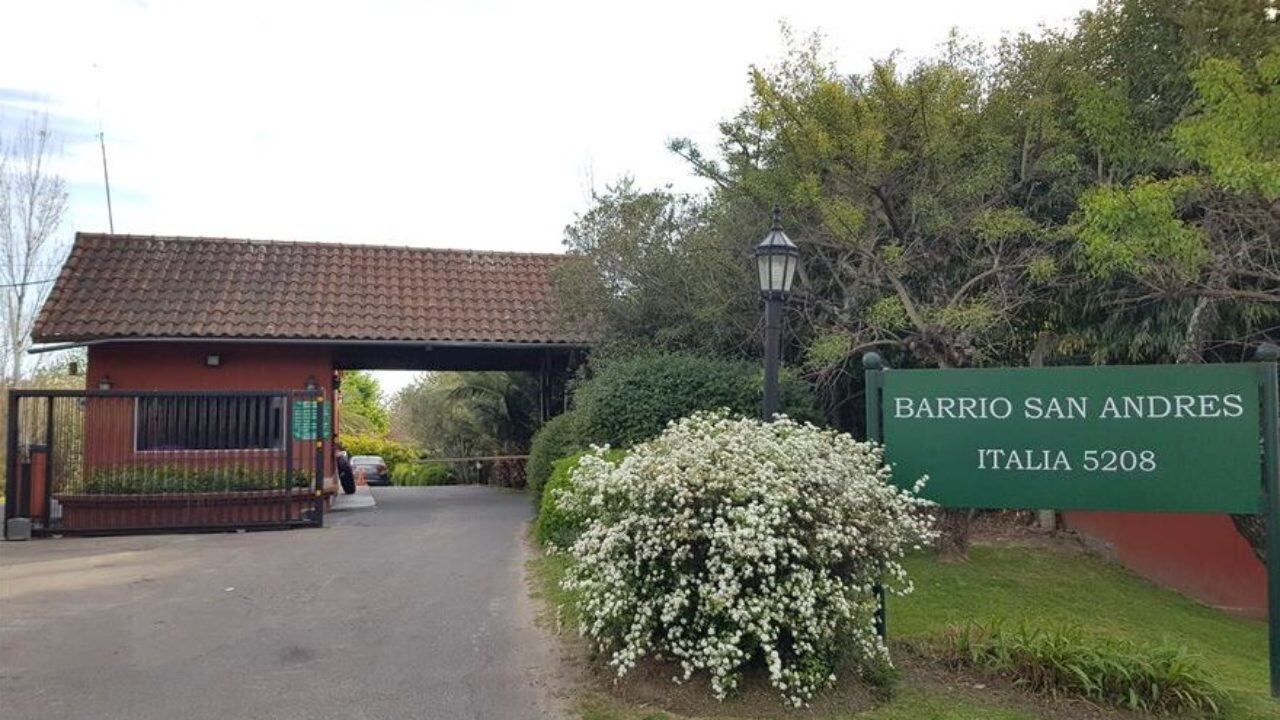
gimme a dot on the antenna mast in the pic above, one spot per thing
(106, 178)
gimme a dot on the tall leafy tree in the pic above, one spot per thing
(905, 207)
(652, 269)
(468, 414)
(364, 411)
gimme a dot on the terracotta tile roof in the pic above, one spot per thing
(128, 286)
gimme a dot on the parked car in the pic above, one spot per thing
(373, 467)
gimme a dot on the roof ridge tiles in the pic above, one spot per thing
(537, 256)
(128, 286)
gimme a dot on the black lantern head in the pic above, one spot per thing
(776, 260)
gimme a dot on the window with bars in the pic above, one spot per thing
(206, 422)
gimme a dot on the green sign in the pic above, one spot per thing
(1154, 438)
(304, 421)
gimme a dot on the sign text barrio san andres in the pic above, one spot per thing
(1067, 408)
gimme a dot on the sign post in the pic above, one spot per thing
(1157, 438)
(1267, 356)
(873, 364)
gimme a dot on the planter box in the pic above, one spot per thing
(215, 509)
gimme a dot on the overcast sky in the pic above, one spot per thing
(464, 124)
(459, 124)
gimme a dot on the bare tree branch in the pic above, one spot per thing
(33, 204)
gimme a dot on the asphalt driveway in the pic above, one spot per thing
(413, 609)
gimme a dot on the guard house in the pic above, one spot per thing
(207, 318)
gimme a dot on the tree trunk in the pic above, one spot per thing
(955, 526)
(1046, 518)
(1254, 529)
(1203, 318)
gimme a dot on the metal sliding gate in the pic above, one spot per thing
(118, 461)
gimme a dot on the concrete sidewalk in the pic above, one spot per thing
(415, 609)
(360, 499)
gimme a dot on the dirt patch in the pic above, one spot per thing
(651, 685)
(649, 688)
(1018, 527)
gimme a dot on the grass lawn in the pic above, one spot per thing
(1013, 582)
(1068, 586)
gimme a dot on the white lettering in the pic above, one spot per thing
(1078, 407)
(945, 407)
(1001, 408)
(1209, 406)
(1061, 463)
(1109, 409)
(902, 408)
(1185, 405)
(1032, 408)
(1151, 407)
(1232, 406)
(1025, 459)
(1132, 407)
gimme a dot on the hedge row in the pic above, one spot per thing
(557, 526)
(392, 452)
(419, 474)
(631, 400)
(154, 479)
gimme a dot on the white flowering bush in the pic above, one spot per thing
(728, 541)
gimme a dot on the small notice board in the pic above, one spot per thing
(310, 420)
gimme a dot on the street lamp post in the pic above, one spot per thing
(776, 261)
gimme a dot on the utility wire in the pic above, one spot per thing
(29, 282)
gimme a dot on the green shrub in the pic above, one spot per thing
(1069, 661)
(420, 474)
(632, 400)
(556, 525)
(153, 479)
(559, 437)
(392, 452)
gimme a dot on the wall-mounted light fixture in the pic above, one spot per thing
(105, 383)
(311, 383)
(213, 360)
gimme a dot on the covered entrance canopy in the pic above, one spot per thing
(214, 365)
